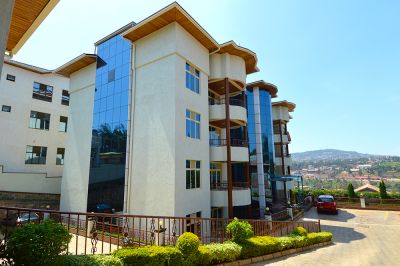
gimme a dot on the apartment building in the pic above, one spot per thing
(34, 118)
(281, 116)
(169, 122)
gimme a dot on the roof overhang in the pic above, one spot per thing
(289, 105)
(172, 13)
(26, 18)
(249, 56)
(262, 85)
(76, 64)
(24, 66)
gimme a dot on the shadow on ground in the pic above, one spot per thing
(343, 234)
(342, 216)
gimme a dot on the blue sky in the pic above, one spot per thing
(339, 61)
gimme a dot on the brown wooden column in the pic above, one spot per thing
(228, 149)
(282, 158)
(246, 164)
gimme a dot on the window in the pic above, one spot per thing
(6, 108)
(192, 174)
(42, 92)
(111, 75)
(63, 124)
(192, 78)
(60, 156)
(39, 120)
(217, 212)
(215, 175)
(192, 124)
(65, 97)
(215, 136)
(35, 155)
(10, 77)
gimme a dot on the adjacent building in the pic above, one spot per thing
(34, 118)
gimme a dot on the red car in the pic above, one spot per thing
(326, 203)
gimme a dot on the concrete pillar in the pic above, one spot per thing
(5, 21)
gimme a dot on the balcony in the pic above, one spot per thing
(277, 138)
(237, 112)
(239, 150)
(287, 159)
(241, 195)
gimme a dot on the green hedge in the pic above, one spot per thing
(219, 253)
(88, 260)
(344, 193)
(259, 245)
(153, 255)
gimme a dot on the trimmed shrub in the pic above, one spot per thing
(314, 238)
(188, 243)
(153, 255)
(259, 245)
(286, 242)
(239, 230)
(37, 244)
(88, 260)
(299, 241)
(228, 251)
(299, 231)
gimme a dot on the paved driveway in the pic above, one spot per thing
(361, 237)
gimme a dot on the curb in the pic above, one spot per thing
(275, 255)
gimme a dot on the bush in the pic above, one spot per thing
(259, 245)
(153, 255)
(286, 242)
(37, 244)
(199, 257)
(188, 243)
(314, 238)
(88, 260)
(382, 190)
(228, 251)
(239, 230)
(299, 231)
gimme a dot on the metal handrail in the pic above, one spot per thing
(224, 185)
(234, 102)
(223, 142)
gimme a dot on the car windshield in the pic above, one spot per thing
(26, 215)
(325, 199)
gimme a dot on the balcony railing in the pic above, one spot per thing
(234, 142)
(101, 233)
(224, 185)
(235, 102)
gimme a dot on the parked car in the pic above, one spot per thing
(15, 219)
(326, 203)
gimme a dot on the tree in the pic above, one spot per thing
(382, 190)
(350, 190)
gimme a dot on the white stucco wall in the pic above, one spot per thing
(280, 113)
(227, 66)
(28, 182)
(217, 112)
(18, 135)
(159, 145)
(240, 197)
(238, 154)
(74, 186)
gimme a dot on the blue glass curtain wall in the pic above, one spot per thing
(110, 125)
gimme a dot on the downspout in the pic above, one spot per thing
(131, 115)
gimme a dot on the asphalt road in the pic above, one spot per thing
(361, 237)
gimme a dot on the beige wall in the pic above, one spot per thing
(18, 135)
(27, 182)
(159, 144)
(227, 66)
(74, 187)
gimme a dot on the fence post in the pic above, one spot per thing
(319, 225)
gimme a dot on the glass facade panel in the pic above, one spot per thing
(267, 139)
(110, 124)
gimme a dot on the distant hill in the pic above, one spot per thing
(330, 154)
